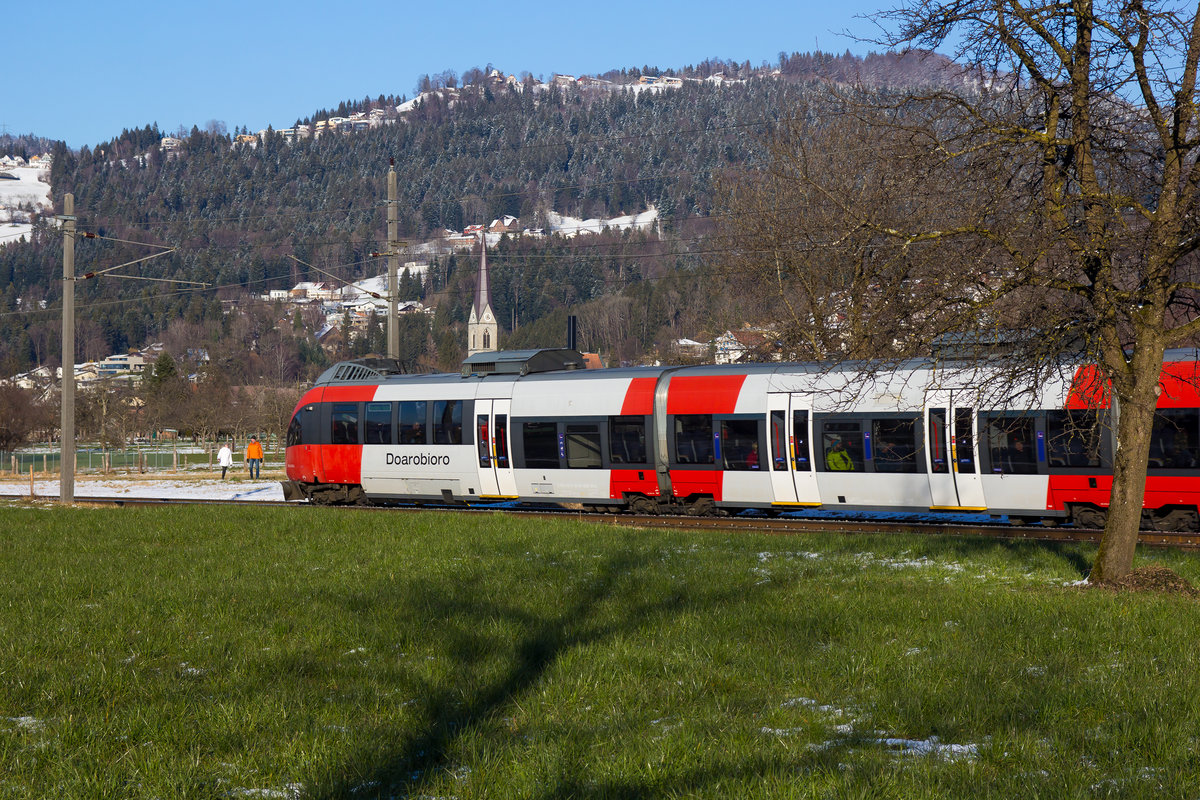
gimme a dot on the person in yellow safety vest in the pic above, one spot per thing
(838, 460)
(254, 458)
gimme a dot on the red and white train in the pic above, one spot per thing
(535, 427)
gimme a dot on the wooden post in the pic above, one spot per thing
(31, 494)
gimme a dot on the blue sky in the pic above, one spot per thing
(87, 71)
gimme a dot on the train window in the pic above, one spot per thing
(1073, 439)
(894, 445)
(344, 422)
(1174, 440)
(842, 444)
(539, 441)
(693, 439)
(627, 440)
(964, 441)
(583, 447)
(739, 444)
(412, 422)
(377, 423)
(937, 441)
(778, 434)
(1010, 442)
(485, 459)
(800, 437)
(501, 434)
(295, 431)
(448, 422)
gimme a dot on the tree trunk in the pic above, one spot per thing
(1135, 424)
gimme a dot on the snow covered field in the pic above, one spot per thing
(573, 226)
(140, 487)
(27, 190)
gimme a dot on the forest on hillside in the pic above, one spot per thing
(238, 214)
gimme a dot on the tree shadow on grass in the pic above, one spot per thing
(419, 756)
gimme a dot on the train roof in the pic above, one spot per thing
(560, 363)
(508, 365)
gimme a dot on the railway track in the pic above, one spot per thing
(778, 526)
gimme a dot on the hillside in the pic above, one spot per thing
(464, 155)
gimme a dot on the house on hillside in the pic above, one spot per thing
(314, 290)
(746, 345)
(124, 364)
(36, 379)
(462, 241)
(505, 225)
(330, 338)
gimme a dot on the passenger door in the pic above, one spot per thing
(496, 477)
(951, 453)
(789, 430)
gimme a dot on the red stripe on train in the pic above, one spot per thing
(639, 397)
(1178, 383)
(704, 394)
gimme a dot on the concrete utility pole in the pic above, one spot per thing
(66, 486)
(393, 247)
(67, 451)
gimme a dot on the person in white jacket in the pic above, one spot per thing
(224, 459)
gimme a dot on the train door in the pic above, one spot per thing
(496, 478)
(950, 451)
(789, 425)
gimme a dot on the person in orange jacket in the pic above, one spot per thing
(254, 457)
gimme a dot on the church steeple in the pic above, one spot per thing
(482, 328)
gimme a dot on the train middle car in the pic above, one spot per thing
(534, 427)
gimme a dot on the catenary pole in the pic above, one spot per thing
(393, 247)
(66, 492)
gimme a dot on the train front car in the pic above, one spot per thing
(324, 437)
(530, 426)
(366, 433)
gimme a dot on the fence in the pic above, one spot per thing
(45, 458)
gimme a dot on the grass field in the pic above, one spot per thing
(302, 652)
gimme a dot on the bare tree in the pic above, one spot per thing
(1054, 195)
(20, 416)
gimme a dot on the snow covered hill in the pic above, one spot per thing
(21, 195)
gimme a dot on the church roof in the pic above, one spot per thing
(483, 289)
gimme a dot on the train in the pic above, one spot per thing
(536, 427)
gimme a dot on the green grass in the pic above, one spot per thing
(303, 652)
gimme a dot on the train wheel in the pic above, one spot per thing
(704, 507)
(1088, 516)
(1177, 519)
(643, 505)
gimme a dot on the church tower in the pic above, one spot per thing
(482, 329)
